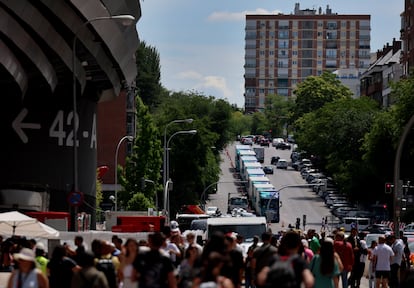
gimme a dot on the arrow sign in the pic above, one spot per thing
(18, 125)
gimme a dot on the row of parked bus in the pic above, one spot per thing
(262, 195)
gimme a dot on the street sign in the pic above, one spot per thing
(75, 198)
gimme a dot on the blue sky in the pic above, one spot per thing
(201, 42)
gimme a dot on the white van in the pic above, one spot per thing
(248, 227)
(354, 222)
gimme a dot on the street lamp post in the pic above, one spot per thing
(126, 20)
(397, 186)
(144, 181)
(164, 169)
(129, 138)
(188, 132)
(167, 168)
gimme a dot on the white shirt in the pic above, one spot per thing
(363, 257)
(398, 248)
(171, 247)
(383, 253)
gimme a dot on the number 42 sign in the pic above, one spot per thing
(60, 129)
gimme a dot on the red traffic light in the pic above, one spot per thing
(388, 188)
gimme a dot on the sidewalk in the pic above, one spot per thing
(4, 278)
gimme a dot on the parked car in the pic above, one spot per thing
(409, 230)
(212, 210)
(274, 160)
(378, 229)
(283, 146)
(282, 164)
(265, 142)
(277, 140)
(268, 169)
(343, 211)
(302, 163)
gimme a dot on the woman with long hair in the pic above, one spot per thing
(325, 266)
(127, 274)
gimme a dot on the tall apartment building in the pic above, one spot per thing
(282, 50)
(407, 37)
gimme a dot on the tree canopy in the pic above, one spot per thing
(315, 91)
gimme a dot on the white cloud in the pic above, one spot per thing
(237, 16)
(189, 75)
(204, 83)
(218, 83)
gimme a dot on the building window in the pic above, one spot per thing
(307, 34)
(307, 24)
(283, 34)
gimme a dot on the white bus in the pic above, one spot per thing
(354, 222)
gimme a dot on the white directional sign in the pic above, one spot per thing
(18, 125)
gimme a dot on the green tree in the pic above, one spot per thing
(148, 75)
(381, 143)
(315, 91)
(194, 159)
(278, 113)
(259, 123)
(144, 163)
(240, 124)
(334, 135)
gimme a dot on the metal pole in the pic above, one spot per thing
(165, 211)
(166, 164)
(290, 186)
(189, 132)
(397, 186)
(164, 169)
(129, 138)
(202, 197)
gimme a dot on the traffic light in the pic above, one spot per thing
(388, 188)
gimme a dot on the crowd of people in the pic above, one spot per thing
(289, 259)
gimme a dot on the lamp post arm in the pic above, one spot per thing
(164, 170)
(129, 138)
(292, 186)
(215, 183)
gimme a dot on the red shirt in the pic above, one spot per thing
(346, 253)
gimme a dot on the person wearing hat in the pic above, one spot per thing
(27, 275)
(174, 227)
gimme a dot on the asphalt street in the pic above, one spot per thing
(296, 201)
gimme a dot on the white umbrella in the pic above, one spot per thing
(16, 223)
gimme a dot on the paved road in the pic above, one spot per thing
(296, 201)
(4, 277)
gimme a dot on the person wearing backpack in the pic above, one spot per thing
(325, 266)
(288, 269)
(105, 261)
(262, 255)
(88, 276)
